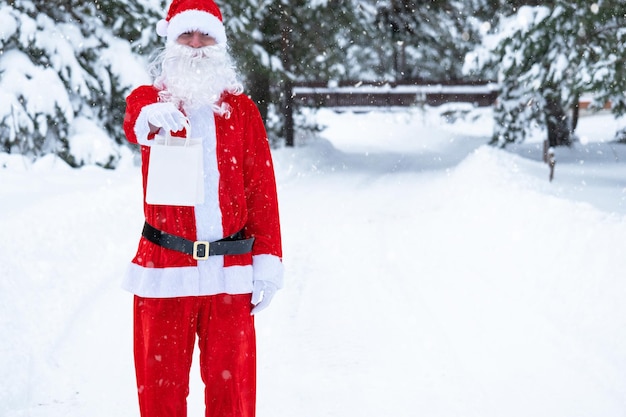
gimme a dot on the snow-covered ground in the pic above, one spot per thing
(427, 275)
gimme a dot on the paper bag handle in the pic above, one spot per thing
(187, 127)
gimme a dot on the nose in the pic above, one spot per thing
(196, 41)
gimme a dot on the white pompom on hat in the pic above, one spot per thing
(192, 15)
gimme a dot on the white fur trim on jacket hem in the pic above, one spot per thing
(186, 281)
(268, 268)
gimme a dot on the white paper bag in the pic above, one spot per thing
(175, 172)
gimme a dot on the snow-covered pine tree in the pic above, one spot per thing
(65, 69)
(281, 41)
(552, 54)
(425, 41)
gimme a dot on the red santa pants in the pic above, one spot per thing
(165, 331)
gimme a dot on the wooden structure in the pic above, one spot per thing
(362, 94)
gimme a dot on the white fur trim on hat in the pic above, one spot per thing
(191, 20)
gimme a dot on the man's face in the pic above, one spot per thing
(196, 39)
(195, 71)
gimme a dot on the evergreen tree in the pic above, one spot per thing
(563, 49)
(425, 40)
(66, 63)
(278, 42)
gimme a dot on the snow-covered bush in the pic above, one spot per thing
(62, 62)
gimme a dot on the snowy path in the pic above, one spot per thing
(428, 277)
(429, 307)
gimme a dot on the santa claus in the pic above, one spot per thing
(202, 270)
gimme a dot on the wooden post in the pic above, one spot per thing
(551, 163)
(548, 157)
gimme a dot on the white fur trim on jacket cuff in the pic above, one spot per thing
(268, 268)
(142, 128)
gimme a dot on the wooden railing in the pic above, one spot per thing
(366, 94)
(362, 94)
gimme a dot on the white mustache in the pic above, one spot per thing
(194, 77)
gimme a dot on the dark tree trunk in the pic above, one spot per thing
(575, 113)
(559, 133)
(286, 46)
(259, 90)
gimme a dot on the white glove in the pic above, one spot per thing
(262, 295)
(165, 115)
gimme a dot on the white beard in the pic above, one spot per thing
(196, 77)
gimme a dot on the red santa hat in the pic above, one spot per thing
(192, 15)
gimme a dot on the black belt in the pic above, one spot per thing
(200, 250)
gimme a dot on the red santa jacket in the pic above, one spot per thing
(240, 194)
